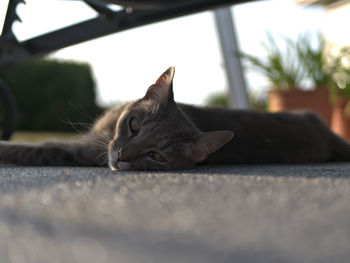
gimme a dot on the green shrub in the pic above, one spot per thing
(220, 99)
(50, 94)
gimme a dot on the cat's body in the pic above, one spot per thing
(155, 133)
(261, 137)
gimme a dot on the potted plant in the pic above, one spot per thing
(340, 93)
(317, 63)
(282, 70)
(288, 70)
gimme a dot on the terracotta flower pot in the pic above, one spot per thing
(340, 120)
(316, 100)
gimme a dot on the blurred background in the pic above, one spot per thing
(285, 46)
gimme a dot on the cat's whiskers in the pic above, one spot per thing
(76, 129)
(103, 133)
(103, 141)
(102, 145)
(103, 156)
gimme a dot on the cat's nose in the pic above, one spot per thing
(121, 155)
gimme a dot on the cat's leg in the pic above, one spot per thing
(328, 146)
(340, 149)
(54, 153)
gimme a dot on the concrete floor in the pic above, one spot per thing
(209, 214)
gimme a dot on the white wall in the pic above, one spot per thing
(338, 23)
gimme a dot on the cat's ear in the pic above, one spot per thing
(162, 90)
(206, 143)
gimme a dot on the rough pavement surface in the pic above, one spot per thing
(209, 214)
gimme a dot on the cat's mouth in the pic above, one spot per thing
(119, 165)
(125, 166)
(115, 163)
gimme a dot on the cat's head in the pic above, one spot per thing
(153, 134)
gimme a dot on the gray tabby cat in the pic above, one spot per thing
(155, 133)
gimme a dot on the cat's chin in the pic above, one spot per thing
(124, 166)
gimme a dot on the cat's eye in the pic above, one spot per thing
(157, 157)
(134, 125)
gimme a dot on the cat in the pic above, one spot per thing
(156, 133)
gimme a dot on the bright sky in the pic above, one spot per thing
(126, 63)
